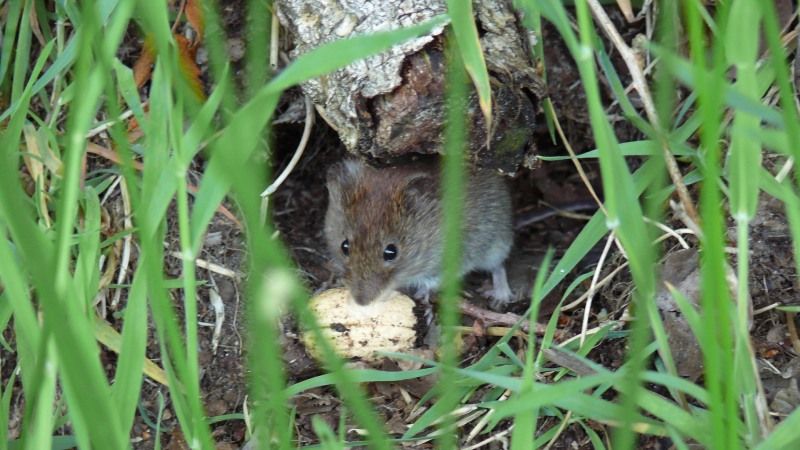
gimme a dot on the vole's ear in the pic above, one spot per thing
(344, 174)
(421, 189)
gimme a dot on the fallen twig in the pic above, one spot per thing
(509, 319)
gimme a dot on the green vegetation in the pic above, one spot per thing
(61, 79)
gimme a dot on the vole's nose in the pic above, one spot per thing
(364, 293)
(361, 298)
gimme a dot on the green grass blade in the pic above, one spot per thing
(38, 433)
(453, 185)
(5, 407)
(716, 303)
(218, 55)
(258, 41)
(128, 90)
(632, 148)
(10, 28)
(745, 156)
(785, 435)
(15, 292)
(86, 277)
(436, 412)
(128, 376)
(22, 53)
(469, 47)
(9, 139)
(523, 434)
(358, 376)
(791, 122)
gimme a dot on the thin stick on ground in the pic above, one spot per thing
(510, 319)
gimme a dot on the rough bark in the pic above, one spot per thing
(391, 105)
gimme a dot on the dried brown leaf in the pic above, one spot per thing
(189, 67)
(143, 67)
(32, 157)
(194, 15)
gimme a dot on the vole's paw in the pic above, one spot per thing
(499, 301)
(500, 295)
(423, 297)
(427, 315)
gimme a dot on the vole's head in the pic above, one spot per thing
(381, 227)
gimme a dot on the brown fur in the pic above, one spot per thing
(373, 208)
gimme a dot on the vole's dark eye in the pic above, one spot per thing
(390, 252)
(346, 247)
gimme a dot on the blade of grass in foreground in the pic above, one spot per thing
(39, 433)
(452, 200)
(5, 407)
(21, 53)
(469, 49)
(26, 326)
(258, 42)
(716, 304)
(128, 376)
(744, 157)
(525, 422)
(218, 58)
(664, 132)
(10, 27)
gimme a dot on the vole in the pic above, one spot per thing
(383, 228)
